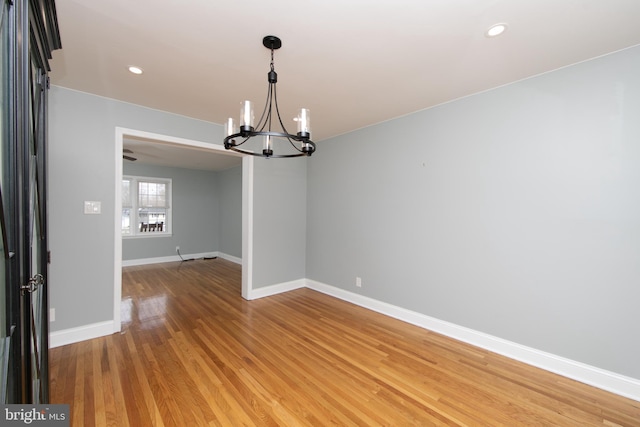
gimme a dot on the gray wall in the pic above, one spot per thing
(514, 212)
(82, 167)
(196, 213)
(280, 219)
(230, 195)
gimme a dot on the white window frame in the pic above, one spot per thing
(135, 222)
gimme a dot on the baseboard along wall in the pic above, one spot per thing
(176, 258)
(596, 377)
(600, 378)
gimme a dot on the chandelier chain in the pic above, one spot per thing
(272, 67)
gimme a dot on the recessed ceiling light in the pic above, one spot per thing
(135, 70)
(496, 30)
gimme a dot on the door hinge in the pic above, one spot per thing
(32, 284)
(48, 82)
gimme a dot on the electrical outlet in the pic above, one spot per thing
(358, 282)
(52, 315)
(177, 248)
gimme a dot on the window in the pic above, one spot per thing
(146, 206)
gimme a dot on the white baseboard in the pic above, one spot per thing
(145, 261)
(276, 289)
(600, 378)
(81, 333)
(175, 258)
(230, 258)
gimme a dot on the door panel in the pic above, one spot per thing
(7, 317)
(28, 34)
(34, 296)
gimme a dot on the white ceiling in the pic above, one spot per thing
(353, 63)
(165, 153)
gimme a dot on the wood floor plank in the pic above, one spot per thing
(192, 352)
(99, 386)
(143, 395)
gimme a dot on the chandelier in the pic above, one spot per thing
(301, 141)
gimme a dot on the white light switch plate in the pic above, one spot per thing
(92, 208)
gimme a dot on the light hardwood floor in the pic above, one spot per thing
(192, 352)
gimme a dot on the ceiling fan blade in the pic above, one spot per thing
(126, 150)
(132, 159)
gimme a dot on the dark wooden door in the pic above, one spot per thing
(29, 33)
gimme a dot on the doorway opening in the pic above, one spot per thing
(182, 144)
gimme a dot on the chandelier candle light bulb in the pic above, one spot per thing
(304, 123)
(246, 117)
(230, 127)
(267, 144)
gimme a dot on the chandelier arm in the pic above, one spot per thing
(294, 145)
(230, 143)
(265, 133)
(275, 96)
(231, 140)
(260, 125)
(280, 156)
(304, 141)
(272, 87)
(275, 156)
